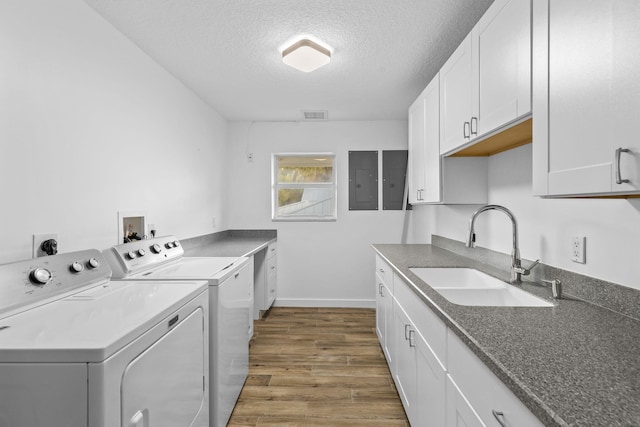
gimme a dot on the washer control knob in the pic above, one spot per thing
(176, 243)
(131, 255)
(93, 263)
(168, 245)
(156, 248)
(76, 267)
(141, 252)
(40, 276)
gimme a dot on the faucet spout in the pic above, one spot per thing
(516, 263)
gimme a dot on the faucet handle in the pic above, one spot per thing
(526, 271)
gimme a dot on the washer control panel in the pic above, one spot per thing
(141, 255)
(27, 282)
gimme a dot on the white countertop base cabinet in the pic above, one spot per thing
(439, 379)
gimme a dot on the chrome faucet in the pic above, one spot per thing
(517, 271)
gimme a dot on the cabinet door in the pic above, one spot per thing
(459, 412)
(586, 97)
(502, 40)
(456, 98)
(424, 146)
(383, 303)
(405, 363)
(430, 383)
(416, 151)
(432, 160)
(389, 343)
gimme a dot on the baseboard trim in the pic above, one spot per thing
(338, 303)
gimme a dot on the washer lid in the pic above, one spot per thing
(93, 324)
(194, 268)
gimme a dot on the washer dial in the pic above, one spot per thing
(40, 276)
(76, 267)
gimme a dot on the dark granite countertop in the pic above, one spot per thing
(573, 364)
(229, 243)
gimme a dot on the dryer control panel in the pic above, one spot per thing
(27, 283)
(141, 255)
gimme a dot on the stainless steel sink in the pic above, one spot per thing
(467, 286)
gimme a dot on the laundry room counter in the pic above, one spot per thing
(228, 243)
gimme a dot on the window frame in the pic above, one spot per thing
(276, 186)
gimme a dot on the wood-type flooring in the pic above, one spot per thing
(317, 367)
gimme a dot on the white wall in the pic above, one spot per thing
(546, 226)
(319, 263)
(89, 126)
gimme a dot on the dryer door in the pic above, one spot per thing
(164, 386)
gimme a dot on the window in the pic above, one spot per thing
(304, 187)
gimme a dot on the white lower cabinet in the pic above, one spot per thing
(418, 374)
(384, 308)
(441, 382)
(384, 311)
(460, 413)
(490, 399)
(265, 279)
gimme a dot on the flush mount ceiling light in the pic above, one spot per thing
(306, 55)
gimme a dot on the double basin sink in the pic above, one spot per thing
(467, 286)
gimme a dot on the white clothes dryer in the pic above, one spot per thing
(80, 350)
(230, 307)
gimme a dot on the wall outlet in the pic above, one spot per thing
(36, 250)
(578, 247)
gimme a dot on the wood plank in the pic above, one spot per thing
(318, 367)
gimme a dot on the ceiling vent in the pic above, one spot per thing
(315, 115)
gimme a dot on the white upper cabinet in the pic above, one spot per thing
(456, 98)
(502, 40)
(424, 146)
(433, 179)
(486, 83)
(417, 180)
(586, 97)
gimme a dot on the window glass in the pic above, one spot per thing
(304, 187)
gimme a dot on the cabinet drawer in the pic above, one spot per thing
(383, 270)
(271, 265)
(428, 324)
(484, 391)
(271, 249)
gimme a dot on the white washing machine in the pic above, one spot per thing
(80, 350)
(230, 307)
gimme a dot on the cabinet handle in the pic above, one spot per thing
(619, 151)
(411, 335)
(466, 130)
(406, 335)
(236, 275)
(474, 132)
(380, 290)
(381, 270)
(499, 416)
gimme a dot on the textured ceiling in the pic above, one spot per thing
(228, 51)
